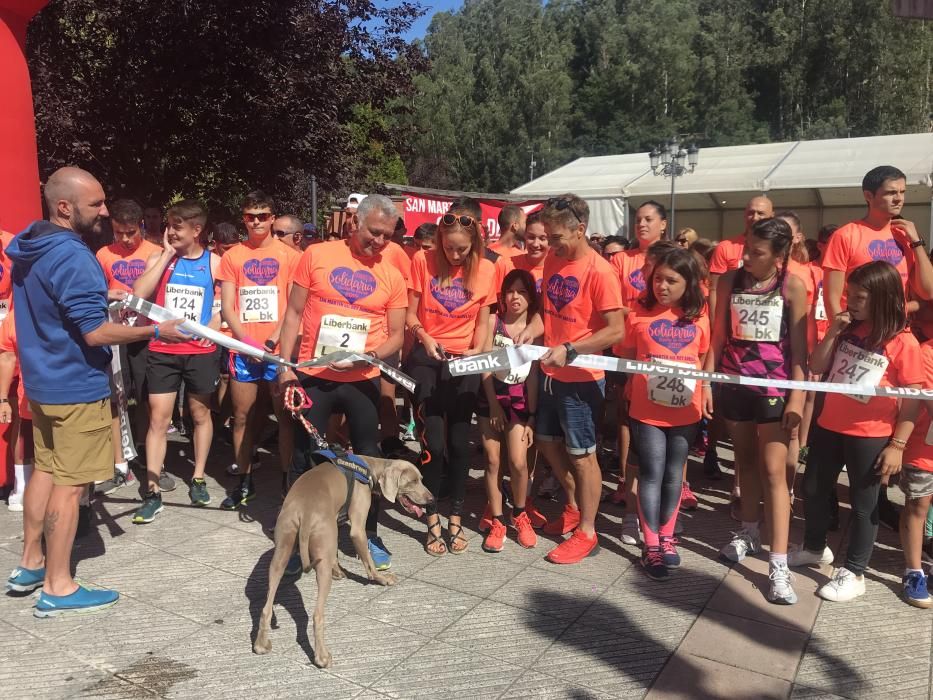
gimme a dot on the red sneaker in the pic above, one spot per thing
(495, 538)
(688, 501)
(568, 521)
(524, 532)
(618, 496)
(535, 516)
(486, 521)
(574, 549)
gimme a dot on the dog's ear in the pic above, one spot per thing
(388, 482)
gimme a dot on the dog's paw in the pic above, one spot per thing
(386, 579)
(323, 659)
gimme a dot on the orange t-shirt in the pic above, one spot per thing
(8, 344)
(818, 310)
(506, 251)
(727, 255)
(575, 295)
(857, 243)
(535, 267)
(396, 255)
(261, 277)
(900, 364)
(449, 314)
(348, 297)
(919, 450)
(661, 335)
(628, 265)
(6, 268)
(122, 267)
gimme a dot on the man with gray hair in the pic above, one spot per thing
(346, 296)
(288, 229)
(61, 299)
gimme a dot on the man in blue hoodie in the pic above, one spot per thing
(62, 324)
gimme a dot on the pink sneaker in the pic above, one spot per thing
(688, 501)
(618, 496)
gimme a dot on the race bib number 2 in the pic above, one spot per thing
(259, 304)
(341, 333)
(185, 300)
(757, 317)
(852, 365)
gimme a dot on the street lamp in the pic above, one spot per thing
(670, 161)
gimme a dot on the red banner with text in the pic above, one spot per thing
(421, 209)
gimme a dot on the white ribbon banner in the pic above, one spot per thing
(515, 356)
(127, 444)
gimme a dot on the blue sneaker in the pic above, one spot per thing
(915, 590)
(293, 567)
(25, 580)
(82, 600)
(381, 557)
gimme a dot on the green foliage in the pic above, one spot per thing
(589, 77)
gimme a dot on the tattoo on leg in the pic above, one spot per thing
(49, 523)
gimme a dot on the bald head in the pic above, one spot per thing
(76, 200)
(758, 208)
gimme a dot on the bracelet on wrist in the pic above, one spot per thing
(155, 333)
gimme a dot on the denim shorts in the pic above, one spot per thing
(568, 411)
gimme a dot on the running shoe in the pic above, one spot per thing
(151, 507)
(574, 549)
(688, 501)
(669, 552)
(743, 542)
(240, 496)
(524, 532)
(798, 556)
(495, 538)
(843, 587)
(486, 521)
(166, 482)
(631, 530)
(781, 592)
(700, 446)
(118, 481)
(535, 516)
(380, 554)
(652, 560)
(83, 600)
(566, 522)
(618, 496)
(198, 494)
(915, 590)
(25, 580)
(14, 502)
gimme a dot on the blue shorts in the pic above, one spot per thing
(243, 370)
(568, 411)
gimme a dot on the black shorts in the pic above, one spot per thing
(742, 405)
(224, 359)
(165, 373)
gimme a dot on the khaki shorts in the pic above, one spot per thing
(916, 483)
(73, 441)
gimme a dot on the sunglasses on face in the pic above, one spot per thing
(462, 219)
(280, 234)
(561, 204)
(264, 217)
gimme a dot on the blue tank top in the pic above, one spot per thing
(187, 288)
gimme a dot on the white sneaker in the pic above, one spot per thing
(631, 531)
(14, 502)
(843, 587)
(781, 591)
(798, 556)
(743, 542)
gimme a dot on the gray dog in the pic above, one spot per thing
(314, 505)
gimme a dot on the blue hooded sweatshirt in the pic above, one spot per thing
(59, 294)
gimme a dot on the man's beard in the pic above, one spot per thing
(88, 228)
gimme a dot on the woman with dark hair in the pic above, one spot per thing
(668, 326)
(867, 344)
(506, 410)
(761, 332)
(448, 315)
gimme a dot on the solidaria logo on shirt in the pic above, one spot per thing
(351, 285)
(451, 297)
(672, 336)
(126, 271)
(887, 251)
(261, 272)
(637, 280)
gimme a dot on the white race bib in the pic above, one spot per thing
(852, 365)
(341, 333)
(186, 300)
(673, 392)
(259, 304)
(819, 310)
(757, 317)
(516, 375)
(4, 308)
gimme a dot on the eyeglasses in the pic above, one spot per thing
(560, 204)
(463, 220)
(280, 234)
(264, 217)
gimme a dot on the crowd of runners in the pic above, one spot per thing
(848, 307)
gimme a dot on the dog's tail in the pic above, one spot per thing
(304, 539)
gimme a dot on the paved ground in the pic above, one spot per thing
(475, 625)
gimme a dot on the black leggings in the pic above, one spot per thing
(828, 452)
(357, 401)
(443, 415)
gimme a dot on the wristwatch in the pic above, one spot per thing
(571, 352)
(917, 243)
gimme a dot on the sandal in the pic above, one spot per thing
(435, 539)
(456, 537)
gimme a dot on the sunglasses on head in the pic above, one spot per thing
(560, 204)
(263, 217)
(462, 219)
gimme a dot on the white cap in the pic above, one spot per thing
(351, 204)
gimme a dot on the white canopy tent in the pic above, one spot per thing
(820, 180)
